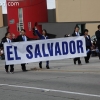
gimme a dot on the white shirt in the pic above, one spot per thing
(45, 36)
(87, 36)
(24, 37)
(77, 33)
(8, 40)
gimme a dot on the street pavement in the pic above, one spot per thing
(64, 81)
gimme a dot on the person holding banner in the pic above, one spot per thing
(42, 37)
(88, 45)
(76, 33)
(20, 38)
(8, 39)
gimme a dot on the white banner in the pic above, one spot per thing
(43, 50)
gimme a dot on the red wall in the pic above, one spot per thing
(33, 11)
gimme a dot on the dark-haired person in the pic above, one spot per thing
(8, 39)
(76, 33)
(88, 45)
(42, 37)
(97, 34)
(20, 38)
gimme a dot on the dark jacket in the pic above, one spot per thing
(74, 34)
(19, 38)
(97, 34)
(88, 41)
(5, 40)
(42, 37)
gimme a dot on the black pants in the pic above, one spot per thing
(99, 50)
(77, 59)
(11, 68)
(47, 63)
(23, 67)
(88, 54)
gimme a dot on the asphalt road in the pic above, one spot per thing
(64, 81)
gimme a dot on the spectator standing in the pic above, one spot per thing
(97, 33)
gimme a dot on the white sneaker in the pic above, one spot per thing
(12, 72)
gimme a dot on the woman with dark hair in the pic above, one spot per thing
(88, 45)
(7, 38)
(42, 37)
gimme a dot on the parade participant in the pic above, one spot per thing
(20, 38)
(8, 39)
(88, 45)
(76, 33)
(42, 37)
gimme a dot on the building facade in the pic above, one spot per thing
(25, 15)
(1, 17)
(3, 28)
(59, 21)
(79, 11)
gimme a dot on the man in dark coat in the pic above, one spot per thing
(42, 36)
(97, 33)
(21, 38)
(88, 45)
(76, 33)
(7, 38)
